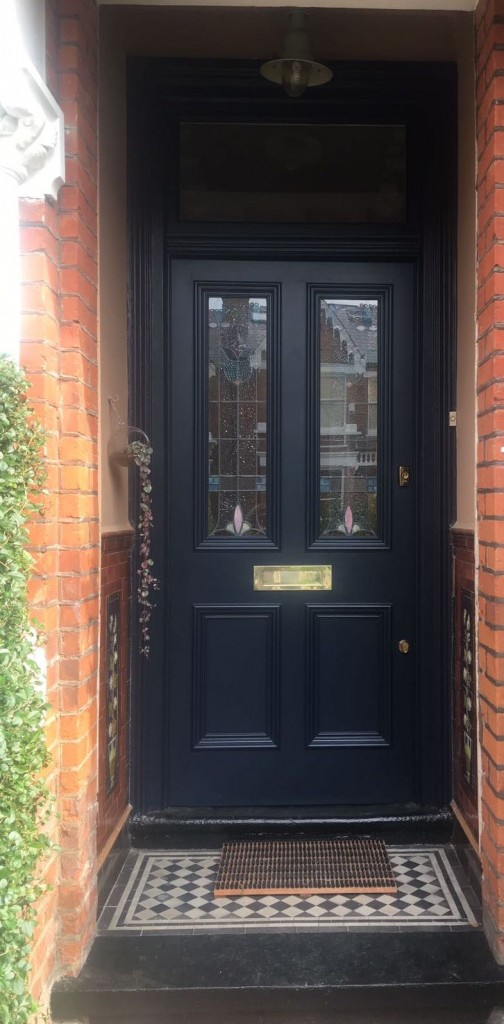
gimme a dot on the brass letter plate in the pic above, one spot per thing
(292, 577)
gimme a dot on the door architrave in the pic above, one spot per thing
(423, 96)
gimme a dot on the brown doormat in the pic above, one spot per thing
(304, 867)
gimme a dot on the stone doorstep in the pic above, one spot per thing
(132, 979)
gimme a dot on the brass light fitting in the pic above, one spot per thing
(295, 68)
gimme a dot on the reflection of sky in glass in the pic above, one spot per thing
(345, 302)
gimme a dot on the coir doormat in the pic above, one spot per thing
(304, 867)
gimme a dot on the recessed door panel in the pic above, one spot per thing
(235, 681)
(348, 676)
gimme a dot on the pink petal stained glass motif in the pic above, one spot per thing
(348, 519)
(238, 527)
(238, 519)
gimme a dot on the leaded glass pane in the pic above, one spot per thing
(349, 388)
(238, 327)
(293, 173)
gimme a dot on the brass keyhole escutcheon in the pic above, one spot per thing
(404, 646)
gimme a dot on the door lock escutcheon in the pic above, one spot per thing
(404, 476)
(403, 646)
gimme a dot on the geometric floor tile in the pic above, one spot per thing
(172, 891)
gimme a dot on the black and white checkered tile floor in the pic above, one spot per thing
(167, 892)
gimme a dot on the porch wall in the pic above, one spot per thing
(490, 467)
(59, 352)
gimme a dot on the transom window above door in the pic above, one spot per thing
(292, 173)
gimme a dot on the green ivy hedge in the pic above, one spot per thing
(23, 754)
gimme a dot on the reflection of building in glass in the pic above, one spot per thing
(237, 369)
(348, 416)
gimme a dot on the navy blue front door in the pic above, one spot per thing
(292, 405)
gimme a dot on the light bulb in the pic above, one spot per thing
(295, 76)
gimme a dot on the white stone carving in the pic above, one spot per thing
(31, 131)
(32, 157)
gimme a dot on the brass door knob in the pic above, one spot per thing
(403, 646)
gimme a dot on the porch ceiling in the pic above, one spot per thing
(375, 5)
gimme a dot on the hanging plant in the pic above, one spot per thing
(131, 446)
(139, 452)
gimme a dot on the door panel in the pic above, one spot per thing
(358, 639)
(234, 644)
(292, 406)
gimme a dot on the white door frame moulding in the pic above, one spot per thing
(372, 5)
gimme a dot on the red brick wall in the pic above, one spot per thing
(115, 599)
(39, 351)
(59, 350)
(465, 736)
(490, 466)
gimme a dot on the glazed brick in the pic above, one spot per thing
(115, 576)
(463, 555)
(120, 541)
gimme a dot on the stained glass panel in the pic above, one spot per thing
(349, 388)
(293, 173)
(238, 327)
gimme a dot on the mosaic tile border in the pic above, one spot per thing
(171, 892)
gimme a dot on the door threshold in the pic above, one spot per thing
(203, 826)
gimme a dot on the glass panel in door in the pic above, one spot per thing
(349, 391)
(237, 327)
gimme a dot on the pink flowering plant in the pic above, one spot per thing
(140, 453)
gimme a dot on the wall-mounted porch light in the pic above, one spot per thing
(295, 68)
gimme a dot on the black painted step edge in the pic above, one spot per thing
(137, 1007)
(182, 822)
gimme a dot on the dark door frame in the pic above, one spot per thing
(420, 95)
